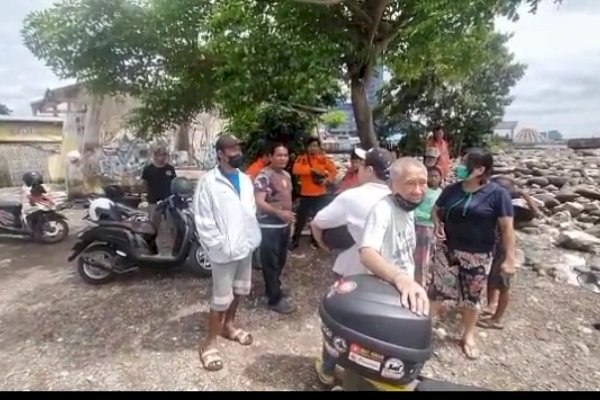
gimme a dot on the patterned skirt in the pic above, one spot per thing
(458, 276)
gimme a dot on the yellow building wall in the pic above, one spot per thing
(41, 132)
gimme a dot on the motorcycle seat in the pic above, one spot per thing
(10, 204)
(142, 227)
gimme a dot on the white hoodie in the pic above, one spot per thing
(226, 223)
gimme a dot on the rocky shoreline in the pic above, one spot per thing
(567, 238)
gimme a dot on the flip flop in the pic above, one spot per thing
(487, 312)
(211, 359)
(242, 337)
(471, 351)
(490, 324)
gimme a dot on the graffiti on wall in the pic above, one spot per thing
(204, 131)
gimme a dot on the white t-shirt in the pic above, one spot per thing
(351, 208)
(391, 231)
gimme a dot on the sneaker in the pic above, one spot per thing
(284, 306)
(325, 379)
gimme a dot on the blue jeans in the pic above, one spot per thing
(329, 362)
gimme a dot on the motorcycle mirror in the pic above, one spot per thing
(590, 281)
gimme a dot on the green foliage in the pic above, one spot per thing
(180, 57)
(468, 107)
(4, 110)
(333, 119)
(270, 124)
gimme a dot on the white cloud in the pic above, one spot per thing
(561, 88)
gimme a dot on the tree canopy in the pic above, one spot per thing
(4, 110)
(468, 107)
(183, 56)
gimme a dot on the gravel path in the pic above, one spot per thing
(141, 333)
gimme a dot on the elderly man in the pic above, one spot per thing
(351, 208)
(389, 240)
(225, 215)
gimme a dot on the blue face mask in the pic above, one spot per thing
(462, 172)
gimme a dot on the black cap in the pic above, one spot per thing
(379, 159)
(227, 142)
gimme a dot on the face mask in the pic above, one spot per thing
(462, 172)
(404, 204)
(236, 161)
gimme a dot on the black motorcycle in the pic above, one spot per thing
(113, 248)
(42, 222)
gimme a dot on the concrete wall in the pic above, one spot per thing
(30, 145)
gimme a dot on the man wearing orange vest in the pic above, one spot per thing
(315, 171)
(258, 165)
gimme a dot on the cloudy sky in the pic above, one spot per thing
(561, 89)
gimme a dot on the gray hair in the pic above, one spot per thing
(400, 165)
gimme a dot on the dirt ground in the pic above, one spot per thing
(141, 332)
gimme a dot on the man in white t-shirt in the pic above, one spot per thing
(389, 240)
(351, 208)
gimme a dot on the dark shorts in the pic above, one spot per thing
(496, 279)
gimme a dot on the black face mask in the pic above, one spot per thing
(236, 161)
(404, 204)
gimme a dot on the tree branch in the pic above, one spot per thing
(396, 30)
(376, 13)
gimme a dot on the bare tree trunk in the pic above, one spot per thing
(363, 114)
(182, 142)
(92, 146)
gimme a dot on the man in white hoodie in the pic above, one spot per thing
(225, 215)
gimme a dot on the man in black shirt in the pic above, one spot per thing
(156, 179)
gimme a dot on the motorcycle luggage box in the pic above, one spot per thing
(368, 330)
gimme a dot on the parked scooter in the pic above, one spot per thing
(113, 248)
(381, 345)
(114, 206)
(40, 220)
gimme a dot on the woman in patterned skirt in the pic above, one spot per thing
(466, 217)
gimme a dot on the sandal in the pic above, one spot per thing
(211, 359)
(488, 312)
(470, 350)
(490, 324)
(242, 337)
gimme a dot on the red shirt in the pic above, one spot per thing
(349, 181)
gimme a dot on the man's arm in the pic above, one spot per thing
(206, 227)
(144, 185)
(412, 295)
(531, 203)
